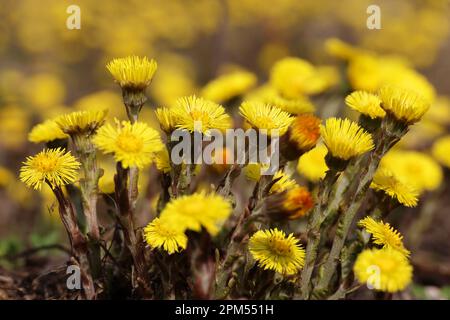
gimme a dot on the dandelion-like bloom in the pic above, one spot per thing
(345, 139)
(383, 269)
(166, 119)
(162, 160)
(298, 105)
(264, 116)
(283, 182)
(441, 150)
(198, 210)
(162, 234)
(132, 144)
(229, 86)
(405, 105)
(133, 71)
(190, 112)
(298, 201)
(312, 164)
(46, 132)
(53, 166)
(305, 131)
(384, 234)
(386, 181)
(274, 251)
(365, 103)
(81, 122)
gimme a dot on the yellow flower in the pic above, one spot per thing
(44, 90)
(132, 71)
(81, 122)
(102, 100)
(274, 251)
(284, 182)
(106, 181)
(265, 117)
(341, 50)
(191, 111)
(198, 210)
(312, 164)
(365, 103)
(53, 166)
(229, 86)
(388, 182)
(298, 105)
(305, 131)
(46, 132)
(162, 160)
(384, 235)
(131, 144)
(345, 139)
(166, 119)
(414, 168)
(162, 234)
(441, 150)
(383, 269)
(406, 106)
(298, 201)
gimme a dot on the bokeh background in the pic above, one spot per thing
(46, 70)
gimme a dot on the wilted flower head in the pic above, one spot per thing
(132, 72)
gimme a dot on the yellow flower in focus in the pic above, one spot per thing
(132, 71)
(387, 181)
(266, 117)
(274, 251)
(384, 235)
(312, 164)
(365, 103)
(53, 166)
(229, 86)
(164, 235)
(166, 119)
(384, 269)
(191, 111)
(198, 210)
(132, 144)
(81, 122)
(441, 150)
(46, 132)
(345, 139)
(406, 106)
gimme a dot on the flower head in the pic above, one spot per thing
(441, 150)
(162, 160)
(297, 105)
(81, 122)
(162, 234)
(406, 106)
(264, 116)
(53, 166)
(274, 251)
(387, 181)
(366, 103)
(166, 119)
(384, 269)
(298, 201)
(383, 234)
(345, 139)
(46, 132)
(229, 86)
(283, 182)
(133, 71)
(132, 144)
(189, 112)
(312, 164)
(305, 131)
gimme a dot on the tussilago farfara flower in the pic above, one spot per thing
(166, 119)
(102, 100)
(298, 201)
(46, 132)
(229, 86)
(163, 234)
(298, 105)
(365, 103)
(312, 164)
(384, 235)
(53, 166)
(191, 111)
(305, 131)
(274, 251)
(132, 144)
(198, 210)
(133, 71)
(414, 168)
(264, 116)
(162, 160)
(341, 50)
(81, 122)
(253, 172)
(383, 269)
(387, 181)
(345, 139)
(406, 106)
(441, 151)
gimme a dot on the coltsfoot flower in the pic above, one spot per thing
(134, 145)
(301, 136)
(441, 151)
(383, 269)
(312, 164)
(273, 250)
(166, 119)
(295, 106)
(81, 122)
(53, 166)
(162, 234)
(46, 132)
(365, 103)
(229, 86)
(384, 234)
(298, 201)
(132, 72)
